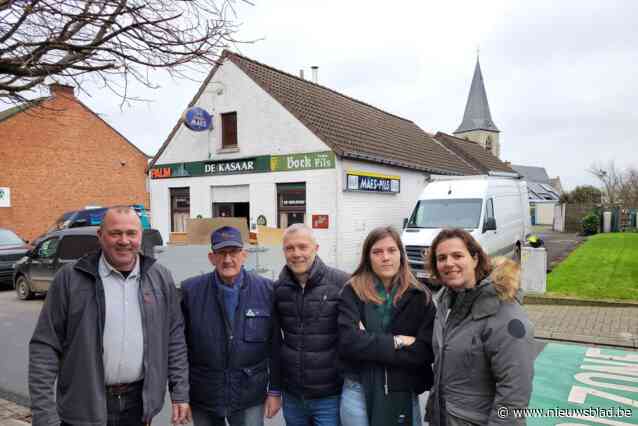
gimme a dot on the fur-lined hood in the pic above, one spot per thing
(506, 279)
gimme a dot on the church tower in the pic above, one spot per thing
(477, 124)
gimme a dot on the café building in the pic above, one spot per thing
(278, 149)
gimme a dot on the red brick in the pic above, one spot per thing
(61, 156)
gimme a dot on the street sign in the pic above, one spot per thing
(5, 197)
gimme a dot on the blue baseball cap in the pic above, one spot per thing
(226, 236)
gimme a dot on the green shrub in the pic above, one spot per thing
(590, 223)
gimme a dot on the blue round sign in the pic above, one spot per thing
(197, 119)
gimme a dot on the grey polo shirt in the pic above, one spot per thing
(123, 335)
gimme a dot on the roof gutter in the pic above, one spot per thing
(505, 174)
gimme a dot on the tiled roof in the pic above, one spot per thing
(532, 174)
(473, 153)
(351, 128)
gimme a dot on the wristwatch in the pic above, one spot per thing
(398, 342)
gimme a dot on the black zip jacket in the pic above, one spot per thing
(307, 319)
(409, 368)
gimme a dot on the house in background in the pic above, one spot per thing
(57, 155)
(543, 197)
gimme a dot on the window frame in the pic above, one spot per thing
(228, 126)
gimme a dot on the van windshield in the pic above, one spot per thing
(460, 213)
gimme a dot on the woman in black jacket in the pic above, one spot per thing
(385, 334)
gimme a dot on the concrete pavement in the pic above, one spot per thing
(599, 325)
(12, 414)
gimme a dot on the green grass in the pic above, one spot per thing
(604, 267)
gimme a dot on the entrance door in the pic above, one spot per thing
(232, 210)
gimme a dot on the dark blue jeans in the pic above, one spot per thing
(125, 409)
(316, 412)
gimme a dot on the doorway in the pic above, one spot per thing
(232, 210)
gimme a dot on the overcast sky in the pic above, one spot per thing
(560, 76)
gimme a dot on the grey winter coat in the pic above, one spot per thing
(484, 358)
(67, 345)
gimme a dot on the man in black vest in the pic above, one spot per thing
(305, 310)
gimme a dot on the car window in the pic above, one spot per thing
(446, 213)
(48, 248)
(8, 238)
(489, 209)
(90, 217)
(75, 246)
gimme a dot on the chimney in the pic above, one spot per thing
(63, 90)
(301, 74)
(315, 74)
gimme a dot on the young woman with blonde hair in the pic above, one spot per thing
(385, 331)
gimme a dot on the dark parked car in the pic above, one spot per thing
(34, 273)
(12, 249)
(93, 217)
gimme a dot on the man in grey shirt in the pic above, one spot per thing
(111, 332)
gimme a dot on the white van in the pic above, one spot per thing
(494, 209)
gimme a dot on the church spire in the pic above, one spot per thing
(477, 110)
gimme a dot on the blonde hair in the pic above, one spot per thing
(506, 277)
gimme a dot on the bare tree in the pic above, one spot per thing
(111, 41)
(629, 189)
(619, 186)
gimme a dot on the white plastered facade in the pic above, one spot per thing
(265, 127)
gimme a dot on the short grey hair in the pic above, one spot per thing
(120, 210)
(300, 227)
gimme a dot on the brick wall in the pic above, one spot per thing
(62, 157)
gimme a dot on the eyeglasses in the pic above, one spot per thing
(234, 252)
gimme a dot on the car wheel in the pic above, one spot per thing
(23, 289)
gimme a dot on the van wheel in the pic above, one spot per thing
(22, 289)
(517, 253)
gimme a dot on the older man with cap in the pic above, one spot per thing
(227, 315)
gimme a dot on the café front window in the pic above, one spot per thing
(291, 204)
(180, 208)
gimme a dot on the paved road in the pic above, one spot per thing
(558, 245)
(17, 321)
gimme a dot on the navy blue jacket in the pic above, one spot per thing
(229, 366)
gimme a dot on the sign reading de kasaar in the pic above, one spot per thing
(258, 164)
(5, 197)
(372, 182)
(577, 385)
